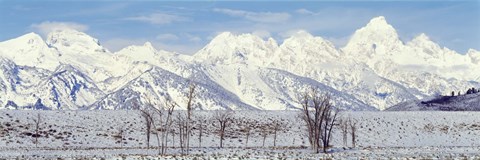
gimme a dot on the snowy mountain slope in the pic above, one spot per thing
(289, 84)
(235, 75)
(158, 84)
(467, 102)
(85, 52)
(316, 58)
(227, 48)
(427, 84)
(375, 69)
(136, 60)
(419, 64)
(62, 47)
(27, 87)
(17, 83)
(68, 88)
(30, 50)
(147, 54)
(377, 38)
(474, 56)
(269, 89)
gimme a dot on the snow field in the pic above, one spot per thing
(94, 134)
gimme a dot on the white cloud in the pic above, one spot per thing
(304, 11)
(46, 27)
(167, 37)
(265, 17)
(158, 18)
(193, 38)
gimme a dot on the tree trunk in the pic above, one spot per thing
(264, 137)
(246, 142)
(275, 138)
(221, 140)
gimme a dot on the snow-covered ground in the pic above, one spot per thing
(94, 134)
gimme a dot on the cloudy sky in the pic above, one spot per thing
(186, 27)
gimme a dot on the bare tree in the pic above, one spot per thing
(344, 127)
(190, 97)
(165, 121)
(158, 117)
(201, 125)
(181, 122)
(37, 122)
(264, 131)
(184, 122)
(223, 118)
(320, 116)
(148, 120)
(277, 125)
(330, 118)
(353, 130)
(246, 129)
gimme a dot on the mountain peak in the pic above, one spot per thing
(32, 35)
(379, 24)
(302, 34)
(376, 37)
(231, 38)
(423, 41)
(472, 51)
(303, 46)
(229, 48)
(139, 52)
(29, 38)
(148, 44)
(422, 38)
(304, 38)
(73, 40)
(376, 21)
(474, 56)
(224, 34)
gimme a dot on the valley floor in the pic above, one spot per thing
(381, 135)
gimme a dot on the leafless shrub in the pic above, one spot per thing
(120, 135)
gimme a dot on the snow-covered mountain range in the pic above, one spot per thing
(72, 70)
